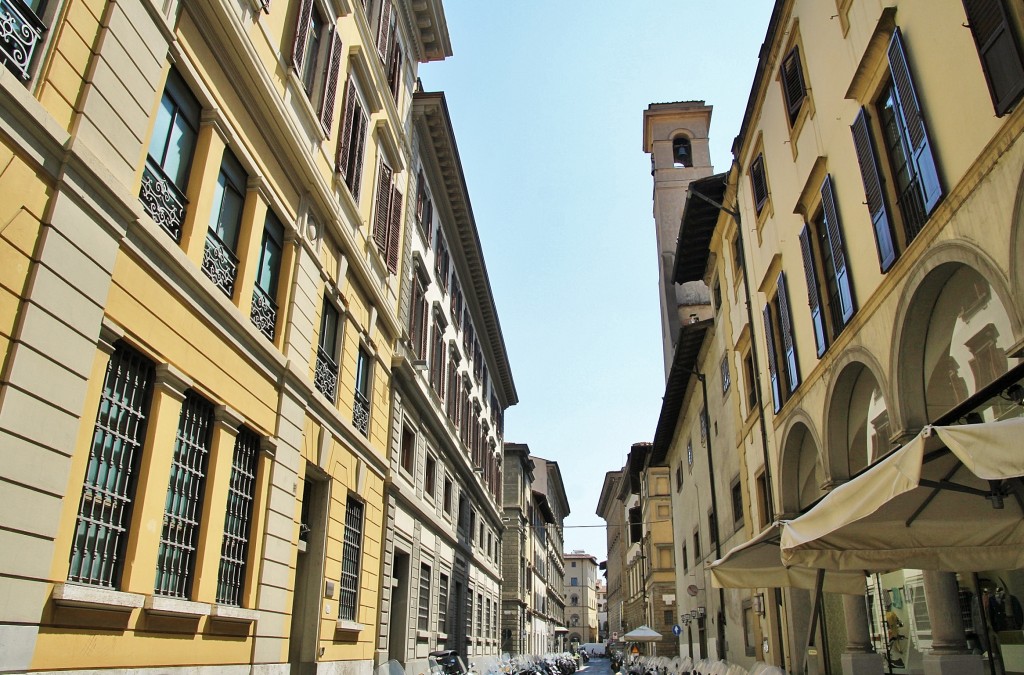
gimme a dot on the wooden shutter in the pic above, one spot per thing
(420, 196)
(758, 182)
(875, 198)
(910, 109)
(380, 222)
(384, 30)
(786, 328)
(835, 243)
(813, 297)
(394, 230)
(331, 71)
(793, 83)
(773, 367)
(341, 162)
(301, 33)
(999, 51)
(358, 146)
(395, 69)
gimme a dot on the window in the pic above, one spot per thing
(424, 207)
(418, 316)
(574, 581)
(388, 47)
(352, 140)
(407, 450)
(574, 599)
(423, 610)
(737, 502)
(169, 161)
(763, 510)
(696, 546)
(442, 263)
(264, 293)
(452, 395)
(361, 403)
(430, 475)
(108, 491)
(749, 382)
(749, 629)
(909, 167)
(726, 377)
(712, 529)
(665, 557)
(23, 32)
(176, 556)
(793, 88)
(388, 217)
(669, 617)
(689, 452)
(325, 376)
(437, 354)
(353, 542)
(685, 560)
(316, 57)
(447, 503)
(758, 183)
(993, 30)
(782, 363)
(682, 152)
(636, 527)
(828, 281)
(442, 603)
(238, 518)
(679, 477)
(456, 301)
(717, 294)
(220, 262)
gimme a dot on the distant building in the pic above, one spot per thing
(581, 577)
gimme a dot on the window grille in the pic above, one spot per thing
(237, 520)
(184, 505)
(109, 486)
(423, 611)
(442, 604)
(350, 559)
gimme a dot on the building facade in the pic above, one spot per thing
(861, 187)
(617, 535)
(581, 584)
(602, 609)
(209, 231)
(442, 569)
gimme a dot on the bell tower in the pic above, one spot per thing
(676, 138)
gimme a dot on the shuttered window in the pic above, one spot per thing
(791, 369)
(813, 295)
(352, 141)
(875, 197)
(383, 206)
(759, 182)
(316, 57)
(793, 88)
(781, 346)
(999, 50)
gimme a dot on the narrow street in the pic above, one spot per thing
(598, 665)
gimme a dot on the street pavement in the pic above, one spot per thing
(596, 666)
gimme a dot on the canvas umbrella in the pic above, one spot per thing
(951, 499)
(643, 634)
(758, 564)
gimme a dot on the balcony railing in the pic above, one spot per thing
(264, 312)
(162, 199)
(20, 33)
(361, 413)
(219, 263)
(325, 376)
(911, 205)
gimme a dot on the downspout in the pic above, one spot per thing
(714, 511)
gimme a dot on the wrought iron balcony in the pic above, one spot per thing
(219, 263)
(911, 205)
(361, 413)
(162, 199)
(325, 376)
(20, 33)
(264, 312)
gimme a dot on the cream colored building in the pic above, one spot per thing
(203, 211)
(872, 212)
(581, 579)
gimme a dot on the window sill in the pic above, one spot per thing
(235, 614)
(156, 604)
(422, 634)
(442, 636)
(348, 626)
(93, 597)
(302, 102)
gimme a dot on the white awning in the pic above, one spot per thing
(758, 564)
(642, 634)
(928, 505)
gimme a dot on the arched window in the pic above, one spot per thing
(682, 154)
(574, 599)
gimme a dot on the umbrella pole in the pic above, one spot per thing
(810, 651)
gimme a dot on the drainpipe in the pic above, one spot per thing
(714, 510)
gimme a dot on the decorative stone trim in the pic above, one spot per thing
(348, 626)
(228, 417)
(172, 380)
(236, 614)
(158, 604)
(95, 597)
(110, 333)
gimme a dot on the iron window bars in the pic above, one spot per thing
(238, 519)
(350, 559)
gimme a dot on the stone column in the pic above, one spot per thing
(949, 652)
(859, 657)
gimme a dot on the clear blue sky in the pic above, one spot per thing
(547, 101)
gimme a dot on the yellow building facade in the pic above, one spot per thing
(204, 209)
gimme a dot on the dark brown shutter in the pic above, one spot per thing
(380, 222)
(420, 194)
(358, 144)
(999, 51)
(301, 33)
(910, 109)
(758, 182)
(773, 367)
(786, 328)
(813, 297)
(384, 30)
(793, 83)
(875, 199)
(394, 230)
(395, 69)
(838, 252)
(341, 162)
(331, 71)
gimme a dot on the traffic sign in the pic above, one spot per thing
(677, 630)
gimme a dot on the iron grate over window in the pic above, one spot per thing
(238, 518)
(109, 486)
(350, 559)
(184, 505)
